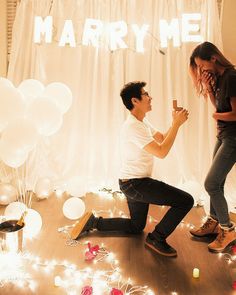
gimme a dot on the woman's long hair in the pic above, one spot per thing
(205, 51)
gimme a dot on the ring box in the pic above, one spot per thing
(175, 105)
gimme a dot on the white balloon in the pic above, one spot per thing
(31, 87)
(43, 188)
(60, 94)
(12, 157)
(75, 186)
(8, 193)
(4, 81)
(73, 208)
(45, 115)
(12, 105)
(21, 134)
(33, 223)
(14, 210)
(28, 99)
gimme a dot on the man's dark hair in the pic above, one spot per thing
(132, 89)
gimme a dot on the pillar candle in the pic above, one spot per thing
(196, 273)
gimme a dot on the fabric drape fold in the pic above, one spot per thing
(87, 146)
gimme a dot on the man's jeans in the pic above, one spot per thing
(224, 157)
(140, 192)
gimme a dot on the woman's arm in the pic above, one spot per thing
(228, 116)
(208, 80)
(212, 97)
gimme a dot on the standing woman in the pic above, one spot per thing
(214, 76)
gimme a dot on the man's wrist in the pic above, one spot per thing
(175, 125)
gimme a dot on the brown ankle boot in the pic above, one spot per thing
(225, 238)
(210, 227)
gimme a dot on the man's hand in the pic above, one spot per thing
(179, 117)
(160, 150)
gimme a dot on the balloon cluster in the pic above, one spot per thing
(28, 112)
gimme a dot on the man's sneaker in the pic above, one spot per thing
(225, 238)
(160, 247)
(209, 228)
(86, 223)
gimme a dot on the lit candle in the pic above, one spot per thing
(57, 281)
(196, 273)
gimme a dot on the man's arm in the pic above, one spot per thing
(161, 150)
(159, 137)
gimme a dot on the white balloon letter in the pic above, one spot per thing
(44, 27)
(169, 31)
(140, 34)
(187, 27)
(117, 31)
(68, 36)
(92, 31)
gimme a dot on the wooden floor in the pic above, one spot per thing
(163, 275)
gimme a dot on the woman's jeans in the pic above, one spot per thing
(224, 157)
(140, 192)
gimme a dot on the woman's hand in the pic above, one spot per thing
(208, 80)
(215, 116)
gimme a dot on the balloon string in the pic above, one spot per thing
(19, 186)
(3, 168)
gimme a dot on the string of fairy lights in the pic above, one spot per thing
(18, 268)
(13, 269)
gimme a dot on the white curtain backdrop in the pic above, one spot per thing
(86, 148)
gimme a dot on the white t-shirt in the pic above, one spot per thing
(134, 136)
